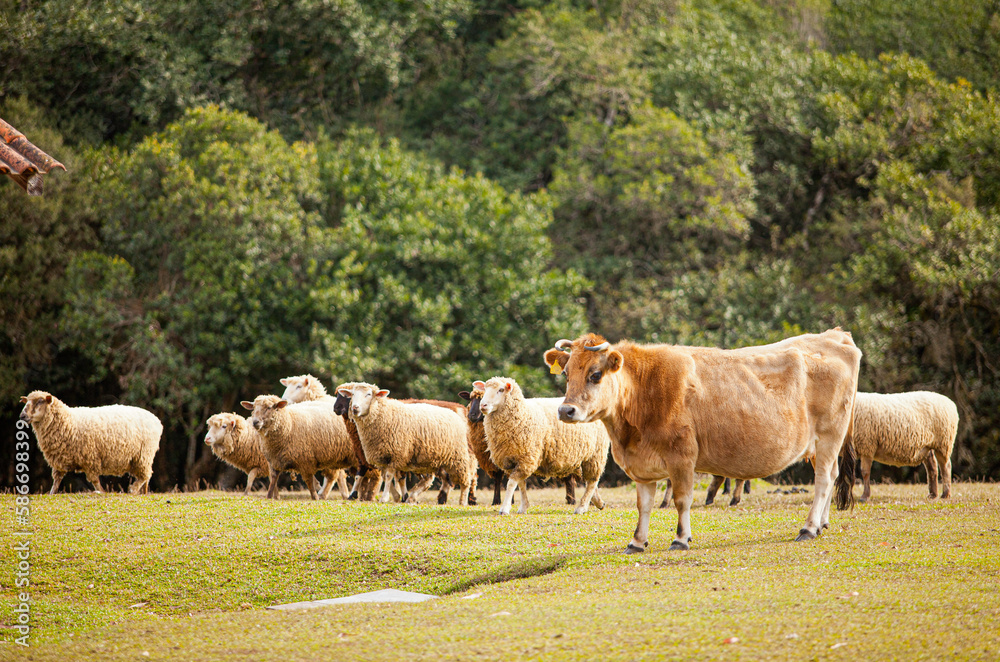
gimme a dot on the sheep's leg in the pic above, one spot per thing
(523, 486)
(357, 483)
(589, 494)
(645, 495)
(387, 494)
(470, 499)
(944, 461)
(866, 478)
(251, 477)
(313, 485)
(342, 484)
(272, 488)
(446, 486)
(370, 485)
(571, 490)
(399, 491)
(140, 483)
(95, 479)
(666, 495)
(737, 492)
(931, 465)
(508, 496)
(596, 501)
(498, 482)
(57, 477)
(713, 488)
(419, 488)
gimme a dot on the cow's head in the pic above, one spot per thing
(264, 408)
(589, 363)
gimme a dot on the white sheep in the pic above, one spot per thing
(417, 437)
(906, 429)
(526, 437)
(99, 441)
(306, 437)
(234, 441)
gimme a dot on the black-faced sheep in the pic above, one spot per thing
(906, 429)
(526, 437)
(234, 441)
(99, 441)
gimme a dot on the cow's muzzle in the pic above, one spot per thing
(570, 414)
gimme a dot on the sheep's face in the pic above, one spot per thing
(295, 389)
(36, 406)
(494, 392)
(264, 408)
(474, 399)
(362, 396)
(220, 427)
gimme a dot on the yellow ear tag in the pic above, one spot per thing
(555, 368)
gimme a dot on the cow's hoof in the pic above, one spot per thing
(805, 534)
(635, 549)
(709, 502)
(678, 546)
(570, 501)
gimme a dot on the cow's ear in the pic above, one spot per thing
(284, 381)
(614, 362)
(554, 358)
(48, 399)
(281, 404)
(23, 399)
(381, 393)
(247, 405)
(464, 395)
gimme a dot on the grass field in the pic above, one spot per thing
(188, 577)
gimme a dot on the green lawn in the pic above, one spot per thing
(187, 576)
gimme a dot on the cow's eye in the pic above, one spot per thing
(595, 377)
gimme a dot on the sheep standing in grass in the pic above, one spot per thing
(417, 437)
(481, 451)
(234, 441)
(906, 429)
(99, 441)
(306, 437)
(526, 438)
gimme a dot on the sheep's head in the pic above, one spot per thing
(36, 406)
(495, 392)
(361, 395)
(221, 429)
(298, 388)
(264, 408)
(474, 399)
(344, 392)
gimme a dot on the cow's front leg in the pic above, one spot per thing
(645, 495)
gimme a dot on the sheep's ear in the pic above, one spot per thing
(23, 399)
(506, 386)
(48, 399)
(247, 405)
(232, 424)
(614, 362)
(305, 382)
(284, 381)
(281, 404)
(479, 386)
(556, 359)
(381, 393)
(346, 392)
(464, 395)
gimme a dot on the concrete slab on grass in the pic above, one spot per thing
(385, 595)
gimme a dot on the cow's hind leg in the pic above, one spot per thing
(666, 495)
(713, 489)
(645, 495)
(826, 473)
(931, 465)
(737, 492)
(683, 497)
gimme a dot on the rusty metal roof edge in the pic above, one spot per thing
(23, 161)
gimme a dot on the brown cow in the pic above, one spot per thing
(745, 413)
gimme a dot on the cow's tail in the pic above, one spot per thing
(848, 469)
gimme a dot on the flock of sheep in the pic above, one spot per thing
(381, 440)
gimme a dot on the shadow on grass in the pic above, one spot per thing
(535, 567)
